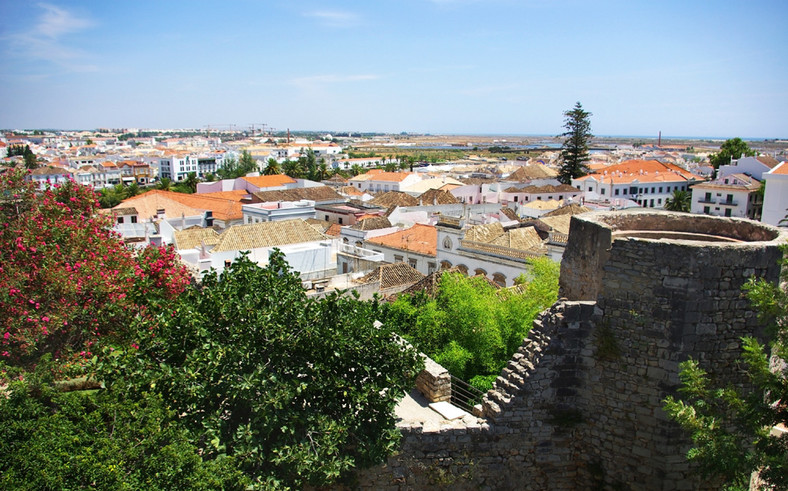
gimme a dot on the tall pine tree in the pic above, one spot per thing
(574, 152)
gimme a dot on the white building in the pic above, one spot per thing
(775, 200)
(733, 195)
(753, 166)
(647, 182)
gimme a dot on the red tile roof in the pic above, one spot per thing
(641, 171)
(269, 181)
(422, 239)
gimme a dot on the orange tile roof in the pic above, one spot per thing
(422, 239)
(270, 181)
(335, 230)
(781, 169)
(222, 208)
(642, 171)
(391, 176)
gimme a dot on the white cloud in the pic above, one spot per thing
(55, 22)
(335, 18)
(44, 40)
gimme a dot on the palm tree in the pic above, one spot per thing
(191, 182)
(165, 184)
(680, 201)
(272, 167)
(322, 170)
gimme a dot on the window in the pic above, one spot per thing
(660, 189)
(616, 192)
(120, 219)
(326, 217)
(728, 212)
(707, 198)
(397, 258)
(447, 243)
(659, 201)
(652, 204)
(515, 199)
(431, 268)
(652, 190)
(412, 263)
(340, 220)
(134, 219)
(729, 199)
(706, 210)
(603, 191)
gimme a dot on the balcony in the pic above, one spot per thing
(360, 252)
(706, 200)
(728, 202)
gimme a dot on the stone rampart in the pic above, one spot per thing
(579, 405)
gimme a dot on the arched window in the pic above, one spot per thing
(445, 265)
(499, 279)
(447, 243)
(463, 269)
(359, 243)
(480, 272)
(344, 240)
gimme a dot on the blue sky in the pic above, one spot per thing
(686, 68)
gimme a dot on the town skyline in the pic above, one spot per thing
(454, 67)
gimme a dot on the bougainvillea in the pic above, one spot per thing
(67, 281)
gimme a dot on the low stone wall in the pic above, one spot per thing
(434, 382)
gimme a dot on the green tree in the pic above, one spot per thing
(51, 439)
(272, 167)
(298, 391)
(356, 169)
(190, 183)
(734, 148)
(470, 327)
(132, 189)
(574, 152)
(30, 158)
(292, 168)
(322, 170)
(246, 164)
(229, 169)
(165, 184)
(730, 426)
(679, 201)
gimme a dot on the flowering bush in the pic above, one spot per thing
(67, 281)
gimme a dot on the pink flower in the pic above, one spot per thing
(6, 335)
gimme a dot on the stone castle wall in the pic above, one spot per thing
(579, 405)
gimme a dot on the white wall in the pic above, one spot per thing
(775, 200)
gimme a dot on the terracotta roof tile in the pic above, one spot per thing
(226, 207)
(267, 234)
(781, 169)
(529, 172)
(372, 223)
(269, 181)
(194, 237)
(335, 230)
(422, 239)
(437, 197)
(392, 275)
(394, 198)
(652, 171)
(317, 194)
